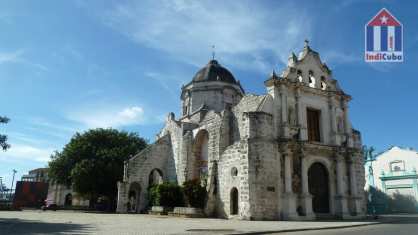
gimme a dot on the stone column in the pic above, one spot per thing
(341, 209)
(306, 196)
(332, 117)
(289, 202)
(299, 112)
(353, 187)
(347, 125)
(283, 105)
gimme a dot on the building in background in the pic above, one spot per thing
(394, 173)
(35, 188)
(64, 196)
(36, 175)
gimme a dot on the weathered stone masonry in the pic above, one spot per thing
(289, 154)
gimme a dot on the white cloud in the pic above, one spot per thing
(17, 57)
(133, 115)
(187, 29)
(24, 152)
(11, 57)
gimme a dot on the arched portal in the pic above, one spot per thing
(200, 150)
(234, 201)
(155, 177)
(318, 182)
(134, 196)
(68, 200)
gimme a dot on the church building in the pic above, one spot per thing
(289, 154)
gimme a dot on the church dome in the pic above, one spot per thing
(213, 71)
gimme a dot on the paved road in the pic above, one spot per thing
(407, 226)
(68, 222)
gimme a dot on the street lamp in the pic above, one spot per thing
(13, 179)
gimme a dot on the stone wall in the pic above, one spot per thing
(156, 156)
(235, 156)
(264, 167)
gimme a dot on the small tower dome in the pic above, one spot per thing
(213, 87)
(213, 71)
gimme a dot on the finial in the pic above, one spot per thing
(306, 43)
(213, 52)
(273, 75)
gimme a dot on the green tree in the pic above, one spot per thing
(3, 138)
(195, 193)
(166, 194)
(92, 162)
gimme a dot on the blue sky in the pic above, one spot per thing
(68, 66)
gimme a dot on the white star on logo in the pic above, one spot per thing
(384, 19)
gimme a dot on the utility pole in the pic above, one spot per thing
(1, 187)
(13, 179)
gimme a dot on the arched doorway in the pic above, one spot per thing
(155, 177)
(68, 200)
(234, 201)
(200, 150)
(134, 196)
(319, 187)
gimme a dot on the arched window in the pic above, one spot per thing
(323, 83)
(200, 149)
(312, 80)
(300, 76)
(155, 177)
(234, 171)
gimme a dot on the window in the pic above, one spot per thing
(184, 110)
(234, 171)
(300, 76)
(313, 118)
(323, 83)
(397, 166)
(312, 80)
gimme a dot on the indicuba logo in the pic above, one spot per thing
(383, 36)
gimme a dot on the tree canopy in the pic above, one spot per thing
(3, 138)
(92, 162)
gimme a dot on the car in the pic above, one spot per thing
(49, 206)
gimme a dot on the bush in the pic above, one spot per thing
(195, 193)
(166, 194)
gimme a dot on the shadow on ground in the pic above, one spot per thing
(18, 226)
(400, 219)
(382, 219)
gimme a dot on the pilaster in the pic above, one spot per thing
(122, 198)
(306, 197)
(289, 198)
(341, 209)
(299, 113)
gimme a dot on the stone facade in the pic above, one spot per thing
(289, 154)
